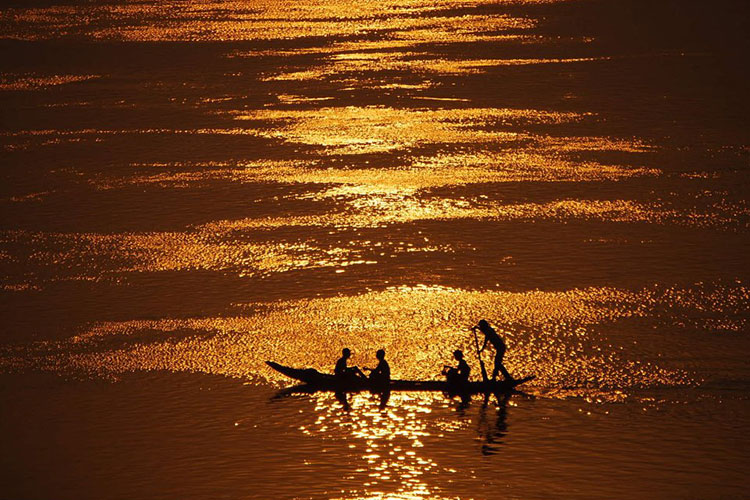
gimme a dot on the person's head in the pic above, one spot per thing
(345, 352)
(380, 354)
(458, 354)
(483, 325)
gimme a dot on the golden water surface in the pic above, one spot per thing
(194, 188)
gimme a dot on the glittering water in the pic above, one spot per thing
(191, 189)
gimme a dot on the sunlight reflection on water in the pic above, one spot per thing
(191, 189)
(556, 336)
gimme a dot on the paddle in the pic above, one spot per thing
(479, 355)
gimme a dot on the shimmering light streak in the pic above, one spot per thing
(553, 332)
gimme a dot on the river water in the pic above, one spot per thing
(190, 189)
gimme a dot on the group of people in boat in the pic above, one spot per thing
(459, 374)
(380, 374)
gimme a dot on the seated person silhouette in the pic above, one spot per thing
(460, 374)
(344, 372)
(381, 374)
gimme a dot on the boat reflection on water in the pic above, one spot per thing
(490, 431)
(490, 435)
(343, 398)
(405, 444)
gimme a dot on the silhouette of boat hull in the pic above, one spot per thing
(314, 381)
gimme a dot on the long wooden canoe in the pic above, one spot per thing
(316, 381)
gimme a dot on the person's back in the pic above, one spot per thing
(460, 374)
(381, 374)
(341, 368)
(491, 335)
(463, 371)
(383, 370)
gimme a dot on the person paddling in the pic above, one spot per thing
(345, 372)
(491, 336)
(381, 374)
(460, 374)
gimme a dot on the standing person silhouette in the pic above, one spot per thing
(491, 336)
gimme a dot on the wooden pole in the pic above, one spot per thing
(479, 355)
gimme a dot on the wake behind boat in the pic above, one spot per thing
(314, 381)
